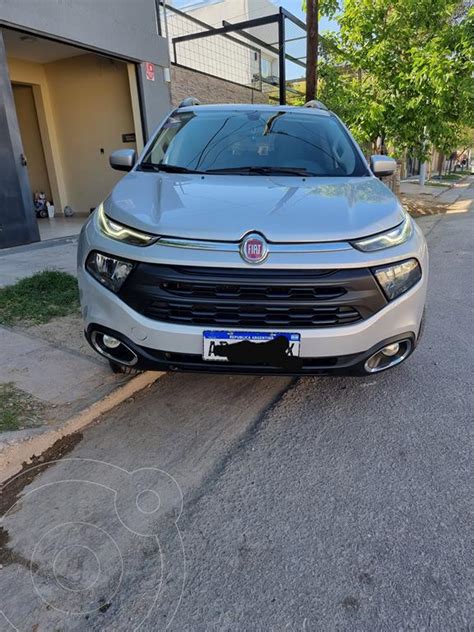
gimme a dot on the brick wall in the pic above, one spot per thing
(191, 83)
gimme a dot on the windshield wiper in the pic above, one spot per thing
(161, 166)
(292, 171)
(147, 166)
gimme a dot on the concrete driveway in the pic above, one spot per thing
(265, 503)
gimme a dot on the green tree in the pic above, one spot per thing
(402, 70)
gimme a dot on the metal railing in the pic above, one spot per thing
(235, 51)
(220, 55)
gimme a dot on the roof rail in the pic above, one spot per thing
(315, 104)
(189, 101)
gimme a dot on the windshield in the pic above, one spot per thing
(254, 142)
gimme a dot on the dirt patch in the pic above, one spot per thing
(9, 556)
(13, 487)
(20, 410)
(66, 332)
(420, 208)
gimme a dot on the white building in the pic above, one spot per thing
(233, 57)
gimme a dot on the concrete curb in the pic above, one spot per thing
(13, 456)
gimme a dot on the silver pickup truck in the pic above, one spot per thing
(255, 239)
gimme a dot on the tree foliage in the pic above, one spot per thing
(402, 70)
(326, 7)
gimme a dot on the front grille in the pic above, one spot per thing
(250, 315)
(251, 292)
(244, 298)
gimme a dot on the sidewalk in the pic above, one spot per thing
(53, 228)
(51, 362)
(51, 367)
(429, 200)
(22, 261)
(412, 187)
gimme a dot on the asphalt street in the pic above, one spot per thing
(274, 504)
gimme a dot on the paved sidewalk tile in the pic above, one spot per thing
(449, 197)
(457, 199)
(413, 188)
(23, 261)
(55, 376)
(60, 226)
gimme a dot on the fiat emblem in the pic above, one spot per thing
(253, 248)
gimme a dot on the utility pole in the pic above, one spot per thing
(312, 45)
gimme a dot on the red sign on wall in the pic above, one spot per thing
(150, 71)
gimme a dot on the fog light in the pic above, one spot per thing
(389, 350)
(113, 349)
(110, 342)
(389, 356)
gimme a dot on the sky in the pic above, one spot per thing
(294, 6)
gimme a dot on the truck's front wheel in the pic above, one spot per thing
(124, 370)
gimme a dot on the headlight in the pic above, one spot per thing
(109, 271)
(397, 278)
(117, 231)
(393, 237)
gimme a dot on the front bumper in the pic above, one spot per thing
(167, 346)
(171, 346)
(149, 359)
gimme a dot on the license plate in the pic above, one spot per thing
(217, 346)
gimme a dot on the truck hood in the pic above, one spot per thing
(225, 208)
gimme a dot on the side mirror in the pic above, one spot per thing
(382, 165)
(123, 159)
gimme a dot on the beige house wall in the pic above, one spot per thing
(84, 105)
(191, 83)
(92, 109)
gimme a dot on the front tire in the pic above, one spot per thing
(122, 369)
